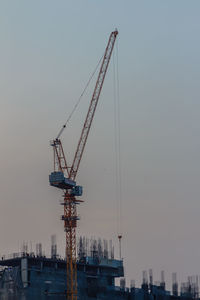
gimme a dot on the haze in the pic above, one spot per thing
(48, 51)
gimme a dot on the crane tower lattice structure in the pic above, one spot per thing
(64, 175)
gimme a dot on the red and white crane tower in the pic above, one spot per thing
(64, 175)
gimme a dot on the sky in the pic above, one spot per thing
(48, 51)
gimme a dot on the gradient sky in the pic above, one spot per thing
(48, 51)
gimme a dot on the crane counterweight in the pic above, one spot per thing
(57, 179)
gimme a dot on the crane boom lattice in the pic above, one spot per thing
(93, 105)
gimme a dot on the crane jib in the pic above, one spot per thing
(93, 105)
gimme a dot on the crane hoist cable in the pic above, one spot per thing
(117, 144)
(119, 141)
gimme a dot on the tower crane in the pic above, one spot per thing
(63, 176)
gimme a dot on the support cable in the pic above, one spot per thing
(79, 100)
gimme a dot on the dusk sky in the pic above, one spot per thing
(48, 51)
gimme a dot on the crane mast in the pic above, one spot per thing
(64, 176)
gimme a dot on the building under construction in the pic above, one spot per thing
(32, 275)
